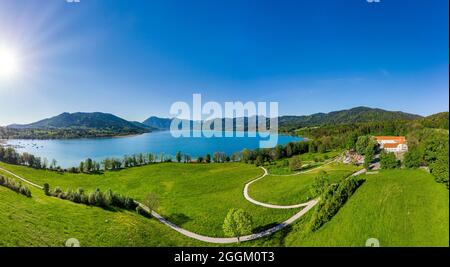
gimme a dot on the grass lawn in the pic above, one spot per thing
(398, 207)
(317, 157)
(308, 160)
(46, 221)
(194, 196)
(289, 190)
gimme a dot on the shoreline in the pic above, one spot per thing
(139, 134)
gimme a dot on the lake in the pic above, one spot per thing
(70, 152)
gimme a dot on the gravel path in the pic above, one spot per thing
(218, 240)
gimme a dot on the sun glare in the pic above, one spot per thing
(9, 63)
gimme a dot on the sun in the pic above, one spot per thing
(9, 63)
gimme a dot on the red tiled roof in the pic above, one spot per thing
(397, 139)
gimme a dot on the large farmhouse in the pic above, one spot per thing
(392, 143)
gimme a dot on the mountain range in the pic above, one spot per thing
(354, 115)
(111, 125)
(94, 120)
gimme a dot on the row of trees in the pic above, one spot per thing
(11, 156)
(106, 199)
(333, 197)
(92, 166)
(261, 156)
(94, 198)
(15, 186)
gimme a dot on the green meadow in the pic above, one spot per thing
(196, 197)
(397, 207)
(294, 189)
(308, 160)
(46, 221)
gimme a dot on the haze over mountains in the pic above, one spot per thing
(98, 120)
(358, 114)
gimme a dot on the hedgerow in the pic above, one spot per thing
(15, 186)
(94, 198)
(332, 200)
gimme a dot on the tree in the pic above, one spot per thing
(259, 160)
(53, 164)
(208, 158)
(412, 158)
(368, 157)
(99, 198)
(91, 198)
(277, 152)
(151, 201)
(440, 168)
(88, 165)
(246, 155)
(106, 164)
(319, 184)
(216, 157)
(388, 160)
(46, 189)
(362, 143)
(178, 156)
(81, 166)
(200, 159)
(295, 164)
(109, 196)
(237, 223)
(351, 140)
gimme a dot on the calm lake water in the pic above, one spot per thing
(70, 152)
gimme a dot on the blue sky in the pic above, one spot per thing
(135, 58)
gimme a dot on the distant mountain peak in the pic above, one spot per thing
(88, 120)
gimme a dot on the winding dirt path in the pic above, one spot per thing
(271, 206)
(20, 178)
(218, 240)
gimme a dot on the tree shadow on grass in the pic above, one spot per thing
(276, 239)
(178, 218)
(264, 227)
(279, 237)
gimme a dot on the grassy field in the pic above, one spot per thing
(308, 160)
(289, 190)
(398, 207)
(194, 196)
(46, 221)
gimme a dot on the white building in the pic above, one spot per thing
(392, 143)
